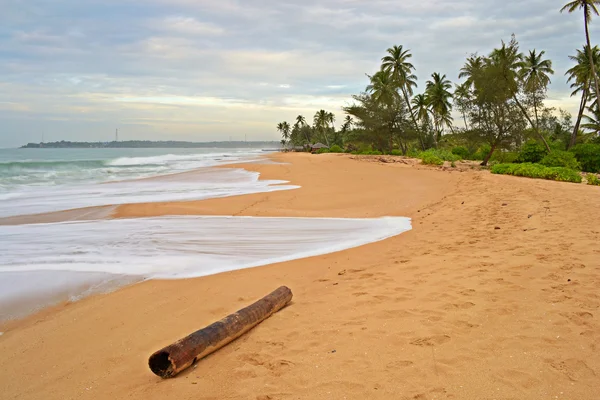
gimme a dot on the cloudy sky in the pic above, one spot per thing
(220, 69)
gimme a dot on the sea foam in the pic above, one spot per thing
(198, 185)
(43, 264)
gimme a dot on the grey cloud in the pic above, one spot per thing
(258, 61)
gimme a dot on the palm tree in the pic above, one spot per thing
(300, 123)
(510, 61)
(437, 95)
(581, 77)
(321, 121)
(534, 75)
(383, 88)
(593, 121)
(422, 110)
(284, 129)
(346, 126)
(589, 7)
(397, 63)
(462, 96)
(471, 68)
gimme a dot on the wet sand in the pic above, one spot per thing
(492, 295)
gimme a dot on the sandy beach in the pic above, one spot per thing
(492, 295)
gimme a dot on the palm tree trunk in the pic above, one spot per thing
(587, 38)
(579, 116)
(532, 124)
(412, 116)
(465, 119)
(537, 122)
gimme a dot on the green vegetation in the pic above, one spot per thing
(588, 155)
(442, 154)
(559, 158)
(531, 152)
(500, 96)
(431, 159)
(593, 179)
(462, 152)
(538, 171)
(336, 149)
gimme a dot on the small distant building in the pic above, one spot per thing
(317, 146)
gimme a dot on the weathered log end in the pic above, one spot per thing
(161, 364)
(173, 359)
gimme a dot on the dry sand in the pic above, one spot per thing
(493, 295)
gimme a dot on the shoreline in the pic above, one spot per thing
(454, 308)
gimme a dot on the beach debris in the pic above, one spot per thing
(342, 272)
(178, 356)
(504, 204)
(496, 227)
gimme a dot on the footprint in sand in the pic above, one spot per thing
(431, 340)
(459, 306)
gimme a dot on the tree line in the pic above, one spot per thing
(499, 97)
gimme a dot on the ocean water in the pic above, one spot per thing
(36, 181)
(42, 264)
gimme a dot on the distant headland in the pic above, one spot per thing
(169, 144)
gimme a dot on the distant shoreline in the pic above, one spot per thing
(149, 144)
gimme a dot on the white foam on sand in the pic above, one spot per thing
(198, 185)
(42, 264)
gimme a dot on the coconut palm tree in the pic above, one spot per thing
(300, 121)
(437, 95)
(509, 61)
(321, 122)
(471, 68)
(462, 97)
(580, 76)
(534, 75)
(589, 8)
(285, 130)
(401, 69)
(421, 108)
(383, 88)
(299, 124)
(593, 120)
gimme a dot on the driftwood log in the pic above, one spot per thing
(173, 359)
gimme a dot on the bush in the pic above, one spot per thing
(593, 179)
(482, 152)
(588, 155)
(462, 152)
(322, 151)
(336, 149)
(444, 155)
(538, 171)
(396, 152)
(532, 152)
(559, 158)
(504, 157)
(431, 159)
